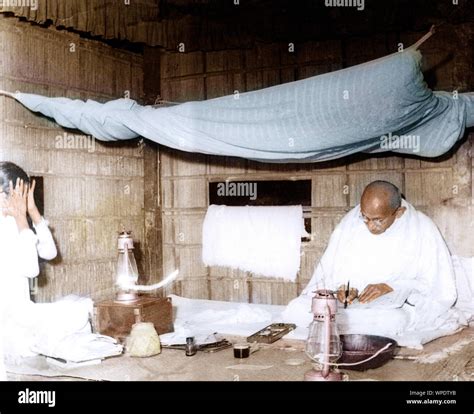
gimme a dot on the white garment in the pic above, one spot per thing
(464, 269)
(46, 247)
(3, 372)
(61, 329)
(411, 254)
(19, 253)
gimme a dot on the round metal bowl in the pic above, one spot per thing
(356, 348)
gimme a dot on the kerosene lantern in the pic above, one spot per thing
(323, 344)
(127, 272)
(116, 317)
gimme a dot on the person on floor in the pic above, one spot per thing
(20, 247)
(60, 329)
(385, 246)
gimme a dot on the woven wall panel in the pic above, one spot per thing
(65, 197)
(288, 75)
(91, 189)
(219, 85)
(186, 259)
(324, 52)
(179, 163)
(429, 188)
(183, 229)
(198, 289)
(271, 292)
(378, 163)
(224, 166)
(219, 272)
(15, 114)
(330, 191)
(117, 197)
(170, 261)
(94, 279)
(262, 56)
(101, 236)
(225, 61)
(363, 49)
(314, 70)
(262, 79)
(232, 290)
(274, 169)
(191, 265)
(107, 18)
(449, 219)
(184, 91)
(181, 64)
(462, 176)
(185, 193)
(70, 236)
(309, 260)
(72, 63)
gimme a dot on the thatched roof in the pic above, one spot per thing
(214, 24)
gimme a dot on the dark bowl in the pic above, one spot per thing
(356, 348)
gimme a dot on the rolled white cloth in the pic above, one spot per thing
(262, 240)
(3, 373)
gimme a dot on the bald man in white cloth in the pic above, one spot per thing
(384, 247)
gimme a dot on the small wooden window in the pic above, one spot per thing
(39, 193)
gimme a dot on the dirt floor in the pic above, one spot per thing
(446, 359)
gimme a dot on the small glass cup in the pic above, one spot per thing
(241, 350)
(191, 347)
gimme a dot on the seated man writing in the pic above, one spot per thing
(381, 246)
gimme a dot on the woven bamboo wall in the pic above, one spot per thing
(91, 190)
(441, 187)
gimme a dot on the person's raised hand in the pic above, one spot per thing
(372, 292)
(16, 205)
(341, 294)
(31, 205)
(16, 202)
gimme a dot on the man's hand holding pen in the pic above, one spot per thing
(346, 294)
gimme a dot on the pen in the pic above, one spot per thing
(347, 295)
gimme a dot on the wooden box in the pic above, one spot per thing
(115, 319)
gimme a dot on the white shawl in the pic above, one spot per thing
(410, 255)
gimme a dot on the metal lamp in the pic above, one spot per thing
(127, 272)
(323, 344)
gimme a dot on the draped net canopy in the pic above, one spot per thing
(381, 105)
